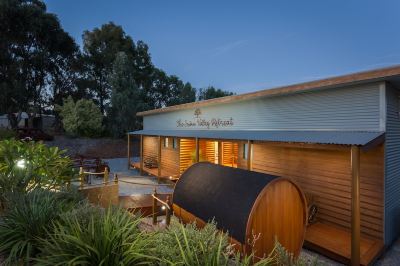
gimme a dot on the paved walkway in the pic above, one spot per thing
(120, 166)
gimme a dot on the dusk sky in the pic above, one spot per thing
(244, 46)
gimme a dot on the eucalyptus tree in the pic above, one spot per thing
(34, 49)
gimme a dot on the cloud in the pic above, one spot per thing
(227, 47)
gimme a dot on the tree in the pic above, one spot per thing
(33, 49)
(100, 48)
(126, 99)
(82, 118)
(180, 92)
(168, 90)
(211, 92)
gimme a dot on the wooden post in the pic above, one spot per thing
(106, 175)
(81, 176)
(249, 155)
(355, 205)
(129, 151)
(197, 158)
(159, 159)
(220, 153)
(168, 211)
(115, 178)
(154, 207)
(141, 154)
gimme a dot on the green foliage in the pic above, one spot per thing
(100, 48)
(180, 243)
(34, 50)
(167, 90)
(82, 118)
(25, 166)
(125, 98)
(188, 245)
(109, 238)
(6, 133)
(283, 257)
(29, 217)
(211, 93)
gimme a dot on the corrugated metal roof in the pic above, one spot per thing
(355, 78)
(360, 138)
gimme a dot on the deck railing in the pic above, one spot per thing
(165, 205)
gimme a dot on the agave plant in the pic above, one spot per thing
(105, 237)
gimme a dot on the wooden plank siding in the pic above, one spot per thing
(229, 153)
(186, 153)
(326, 174)
(169, 159)
(150, 147)
(207, 151)
(169, 156)
(241, 162)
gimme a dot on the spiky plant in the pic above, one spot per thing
(27, 218)
(109, 237)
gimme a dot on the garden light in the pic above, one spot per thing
(21, 163)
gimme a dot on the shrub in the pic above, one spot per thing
(28, 218)
(82, 118)
(189, 245)
(109, 238)
(25, 166)
(6, 133)
(171, 245)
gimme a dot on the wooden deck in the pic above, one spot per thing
(141, 203)
(335, 242)
(154, 171)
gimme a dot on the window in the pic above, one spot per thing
(166, 142)
(245, 150)
(175, 143)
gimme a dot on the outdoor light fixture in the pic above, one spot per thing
(21, 163)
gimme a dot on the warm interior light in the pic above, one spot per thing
(163, 208)
(21, 163)
(170, 177)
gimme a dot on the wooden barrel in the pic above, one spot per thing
(245, 204)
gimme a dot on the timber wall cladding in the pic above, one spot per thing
(241, 162)
(150, 147)
(230, 153)
(102, 195)
(326, 174)
(207, 151)
(187, 148)
(169, 159)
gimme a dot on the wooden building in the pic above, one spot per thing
(337, 138)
